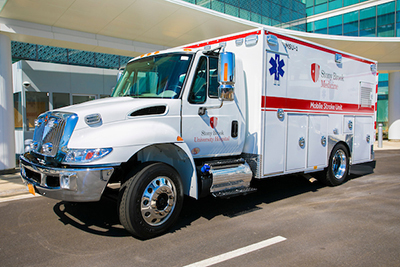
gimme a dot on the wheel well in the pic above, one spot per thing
(169, 154)
(346, 145)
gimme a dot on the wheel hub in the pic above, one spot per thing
(339, 163)
(158, 201)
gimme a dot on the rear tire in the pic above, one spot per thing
(151, 200)
(338, 167)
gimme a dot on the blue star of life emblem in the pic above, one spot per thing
(276, 68)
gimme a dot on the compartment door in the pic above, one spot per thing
(317, 141)
(274, 143)
(297, 142)
(362, 139)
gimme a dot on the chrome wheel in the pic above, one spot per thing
(158, 201)
(338, 168)
(339, 164)
(150, 200)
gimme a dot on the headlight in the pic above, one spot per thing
(85, 155)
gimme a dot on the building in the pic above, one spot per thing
(107, 34)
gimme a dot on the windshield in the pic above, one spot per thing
(158, 76)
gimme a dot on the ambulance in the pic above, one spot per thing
(207, 118)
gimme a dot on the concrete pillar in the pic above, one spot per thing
(394, 106)
(7, 137)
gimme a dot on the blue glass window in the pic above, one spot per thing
(349, 2)
(334, 4)
(350, 24)
(217, 6)
(321, 8)
(386, 21)
(320, 26)
(368, 21)
(231, 10)
(335, 25)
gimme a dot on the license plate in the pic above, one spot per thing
(31, 188)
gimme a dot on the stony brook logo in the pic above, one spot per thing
(315, 70)
(213, 122)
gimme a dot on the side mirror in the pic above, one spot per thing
(226, 76)
(120, 72)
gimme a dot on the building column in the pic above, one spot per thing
(394, 106)
(7, 136)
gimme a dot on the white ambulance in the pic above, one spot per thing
(208, 118)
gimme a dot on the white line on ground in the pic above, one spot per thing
(7, 199)
(237, 252)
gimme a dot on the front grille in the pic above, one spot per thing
(47, 179)
(52, 130)
(33, 175)
(53, 181)
(48, 132)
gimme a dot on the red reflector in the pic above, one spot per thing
(89, 155)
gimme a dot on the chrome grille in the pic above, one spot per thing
(49, 132)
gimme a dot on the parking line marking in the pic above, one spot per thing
(12, 198)
(237, 252)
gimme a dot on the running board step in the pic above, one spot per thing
(234, 192)
(225, 178)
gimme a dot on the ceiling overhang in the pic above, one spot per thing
(134, 27)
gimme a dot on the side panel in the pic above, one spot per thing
(317, 141)
(274, 143)
(296, 142)
(362, 139)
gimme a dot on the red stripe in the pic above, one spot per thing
(327, 50)
(226, 39)
(271, 102)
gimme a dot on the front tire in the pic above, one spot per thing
(151, 200)
(338, 167)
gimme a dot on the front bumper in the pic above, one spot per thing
(74, 184)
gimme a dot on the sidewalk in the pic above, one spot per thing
(12, 187)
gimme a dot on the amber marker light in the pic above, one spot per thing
(225, 72)
(179, 139)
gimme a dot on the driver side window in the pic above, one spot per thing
(198, 92)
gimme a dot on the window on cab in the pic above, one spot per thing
(205, 82)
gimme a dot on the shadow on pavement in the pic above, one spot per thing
(101, 218)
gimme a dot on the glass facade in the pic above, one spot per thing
(381, 20)
(267, 12)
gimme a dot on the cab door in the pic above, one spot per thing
(208, 129)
